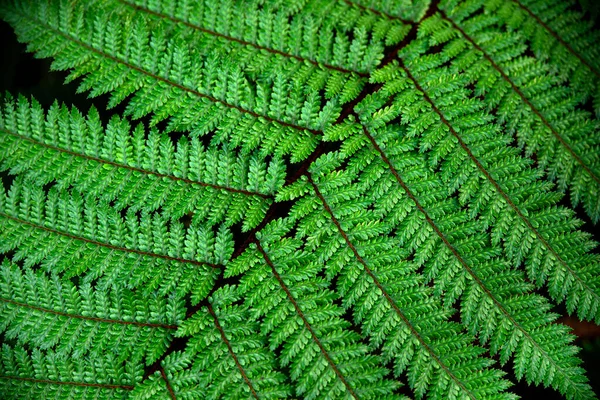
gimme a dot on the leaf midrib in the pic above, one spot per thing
(132, 168)
(241, 41)
(165, 80)
(389, 299)
(95, 319)
(109, 246)
(230, 350)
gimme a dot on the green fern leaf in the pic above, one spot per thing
(527, 96)
(50, 313)
(281, 286)
(556, 32)
(324, 199)
(498, 185)
(229, 354)
(46, 375)
(431, 227)
(124, 165)
(72, 236)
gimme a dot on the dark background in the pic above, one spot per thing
(21, 73)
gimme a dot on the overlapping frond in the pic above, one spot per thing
(388, 298)
(50, 313)
(282, 286)
(228, 352)
(135, 168)
(497, 303)
(48, 375)
(476, 160)
(349, 15)
(73, 235)
(557, 33)
(526, 96)
(346, 16)
(411, 247)
(164, 74)
(409, 10)
(274, 33)
(261, 45)
(492, 186)
(174, 379)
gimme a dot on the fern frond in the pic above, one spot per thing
(497, 302)
(281, 286)
(229, 355)
(414, 243)
(72, 235)
(389, 300)
(53, 313)
(526, 96)
(120, 164)
(127, 57)
(47, 375)
(263, 43)
(493, 180)
(172, 380)
(272, 32)
(557, 33)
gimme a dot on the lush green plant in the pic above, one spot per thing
(332, 199)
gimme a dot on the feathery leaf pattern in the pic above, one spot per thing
(307, 199)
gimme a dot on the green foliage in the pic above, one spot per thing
(72, 235)
(229, 353)
(497, 185)
(324, 199)
(173, 379)
(134, 168)
(50, 313)
(411, 10)
(525, 95)
(388, 298)
(497, 303)
(47, 375)
(556, 33)
(281, 285)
